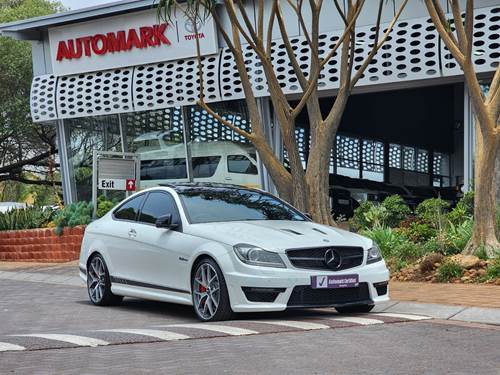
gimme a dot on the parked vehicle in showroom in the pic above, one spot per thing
(164, 161)
(225, 249)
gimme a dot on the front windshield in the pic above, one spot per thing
(210, 205)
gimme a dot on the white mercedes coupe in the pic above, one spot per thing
(225, 249)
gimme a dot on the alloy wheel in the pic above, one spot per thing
(206, 291)
(96, 280)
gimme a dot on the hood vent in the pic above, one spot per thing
(292, 231)
(320, 231)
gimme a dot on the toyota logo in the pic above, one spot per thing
(332, 259)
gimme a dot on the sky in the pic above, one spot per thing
(76, 4)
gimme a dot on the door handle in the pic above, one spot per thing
(132, 233)
(228, 178)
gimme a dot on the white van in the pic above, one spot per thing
(219, 161)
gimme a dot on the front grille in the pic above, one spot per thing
(262, 294)
(314, 258)
(304, 296)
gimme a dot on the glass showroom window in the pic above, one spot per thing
(441, 169)
(348, 156)
(373, 160)
(218, 154)
(85, 135)
(158, 137)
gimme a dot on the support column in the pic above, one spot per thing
(68, 186)
(270, 131)
(469, 142)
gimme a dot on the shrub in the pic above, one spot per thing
(409, 251)
(75, 214)
(493, 270)
(418, 231)
(358, 221)
(26, 218)
(104, 205)
(458, 235)
(432, 212)
(396, 210)
(464, 209)
(394, 244)
(449, 270)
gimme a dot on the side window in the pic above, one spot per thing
(205, 166)
(158, 204)
(129, 210)
(163, 169)
(240, 164)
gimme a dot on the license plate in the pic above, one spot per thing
(334, 281)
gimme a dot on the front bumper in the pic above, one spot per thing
(239, 275)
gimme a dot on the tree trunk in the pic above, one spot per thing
(484, 232)
(317, 179)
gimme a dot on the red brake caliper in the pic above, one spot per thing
(202, 290)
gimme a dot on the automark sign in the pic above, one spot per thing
(127, 40)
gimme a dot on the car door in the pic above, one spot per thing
(122, 242)
(162, 262)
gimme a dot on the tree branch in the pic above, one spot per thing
(30, 161)
(377, 45)
(441, 24)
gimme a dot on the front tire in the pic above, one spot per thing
(355, 309)
(209, 291)
(99, 283)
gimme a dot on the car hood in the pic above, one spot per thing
(277, 235)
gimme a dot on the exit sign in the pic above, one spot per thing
(112, 184)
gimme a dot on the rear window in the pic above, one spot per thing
(240, 164)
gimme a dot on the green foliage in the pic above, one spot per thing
(358, 221)
(493, 270)
(396, 209)
(458, 235)
(449, 270)
(104, 205)
(389, 213)
(75, 214)
(464, 210)
(393, 244)
(26, 218)
(387, 239)
(17, 131)
(432, 211)
(418, 231)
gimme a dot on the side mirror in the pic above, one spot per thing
(165, 221)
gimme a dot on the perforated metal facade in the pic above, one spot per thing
(412, 52)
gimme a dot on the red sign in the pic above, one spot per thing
(100, 44)
(130, 185)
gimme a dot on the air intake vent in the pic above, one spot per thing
(292, 231)
(320, 231)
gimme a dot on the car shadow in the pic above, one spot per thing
(172, 310)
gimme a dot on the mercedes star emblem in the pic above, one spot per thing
(332, 259)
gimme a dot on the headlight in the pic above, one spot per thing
(374, 254)
(256, 256)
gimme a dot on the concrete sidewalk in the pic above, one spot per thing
(477, 295)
